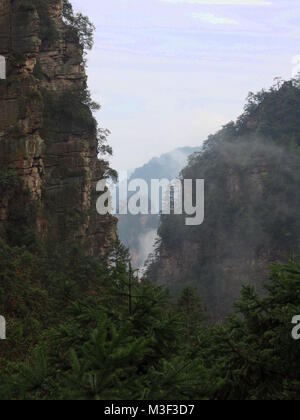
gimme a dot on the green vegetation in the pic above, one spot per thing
(252, 175)
(8, 180)
(254, 354)
(21, 211)
(48, 31)
(67, 112)
(86, 328)
(80, 24)
(81, 329)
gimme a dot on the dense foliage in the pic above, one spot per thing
(251, 170)
(48, 31)
(80, 24)
(79, 329)
(86, 328)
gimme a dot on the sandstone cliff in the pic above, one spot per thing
(49, 162)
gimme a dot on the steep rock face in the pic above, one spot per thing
(252, 176)
(48, 136)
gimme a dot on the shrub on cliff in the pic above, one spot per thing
(81, 25)
(48, 31)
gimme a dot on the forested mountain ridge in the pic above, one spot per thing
(49, 139)
(139, 232)
(252, 176)
(79, 324)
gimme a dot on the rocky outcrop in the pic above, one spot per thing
(48, 136)
(252, 175)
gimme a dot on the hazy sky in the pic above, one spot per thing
(169, 72)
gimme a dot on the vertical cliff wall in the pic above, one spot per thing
(49, 162)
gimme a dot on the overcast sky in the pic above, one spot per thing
(169, 72)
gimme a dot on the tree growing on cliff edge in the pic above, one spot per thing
(81, 25)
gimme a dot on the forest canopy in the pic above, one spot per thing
(81, 330)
